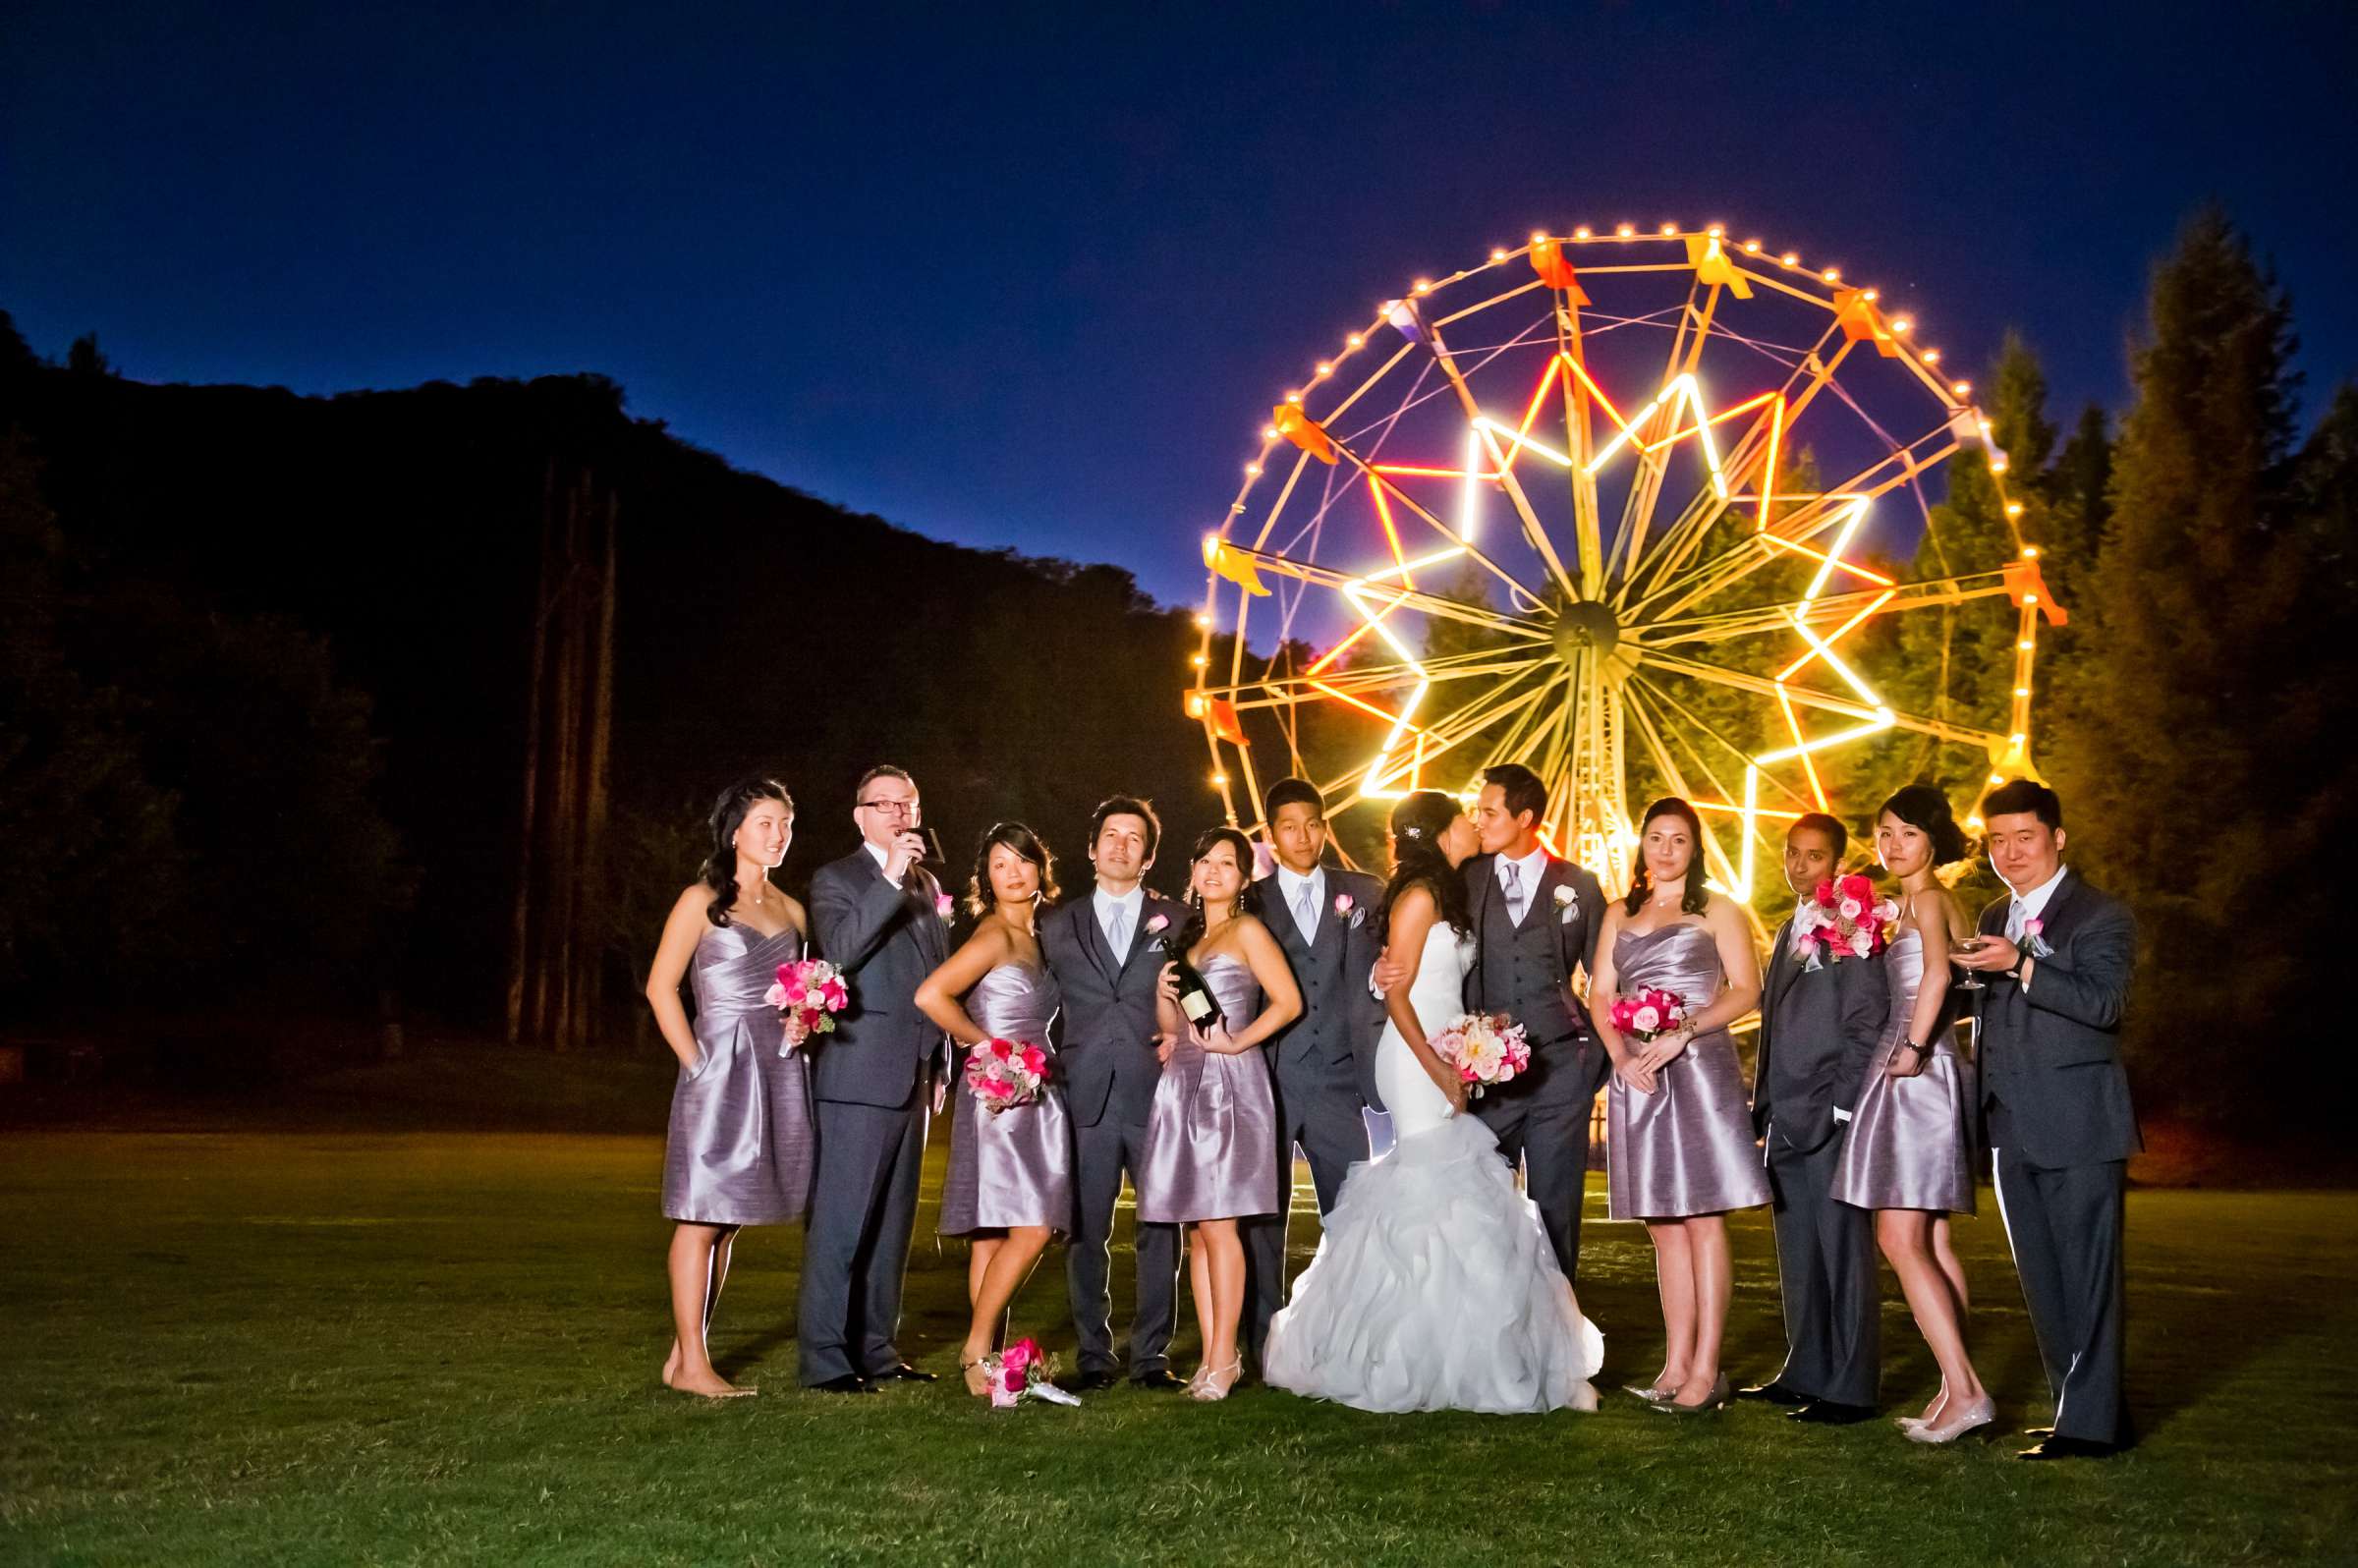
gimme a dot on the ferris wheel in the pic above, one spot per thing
(1622, 506)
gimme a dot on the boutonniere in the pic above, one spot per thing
(1157, 925)
(1347, 910)
(942, 906)
(1567, 905)
(2036, 943)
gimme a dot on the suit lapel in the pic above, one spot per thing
(1090, 938)
(1780, 980)
(1284, 921)
(1137, 935)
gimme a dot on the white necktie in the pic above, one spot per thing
(1121, 931)
(1514, 892)
(2017, 915)
(1306, 911)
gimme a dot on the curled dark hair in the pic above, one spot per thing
(1926, 809)
(1248, 897)
(1025, 843)
(1125, 806)
(728, 815)
(1694, 898)
(1419, 821)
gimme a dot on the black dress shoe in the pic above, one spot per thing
(1776, 1393)
(1160, 1379)
(1827, 1413)
(902, 1372)
(848, 1383)
(1089, 1382)
(2070, 1448)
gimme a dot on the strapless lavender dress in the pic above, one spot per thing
(1014, 1168)
(740, 1147)
(1211, 1138)
(1910, 1144)
(1687, 1147)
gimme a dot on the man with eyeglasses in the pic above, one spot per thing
(874, 1079)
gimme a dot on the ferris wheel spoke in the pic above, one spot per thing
(1837, 609)
(1389, 593)
(1733, 874)
(1533, 532)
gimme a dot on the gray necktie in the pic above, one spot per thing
(1121, 931)
(2017, 915)
(1514, 892)
(1306, 911)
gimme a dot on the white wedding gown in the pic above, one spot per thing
(1434, 1287)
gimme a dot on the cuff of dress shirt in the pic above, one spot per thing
(1841, 1115)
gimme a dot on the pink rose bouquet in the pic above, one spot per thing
(809, 991)
(1843, 918)
(1487, 1049)
(1649, 1013)
(1006, 1073)
(1021, 1371)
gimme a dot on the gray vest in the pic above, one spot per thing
(1522, 970)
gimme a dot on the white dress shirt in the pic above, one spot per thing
(1290, 887)
(2030, 906)
(1527, 871)
(883, 859)
(1128, 905)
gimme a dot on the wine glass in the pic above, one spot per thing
(1962, 945)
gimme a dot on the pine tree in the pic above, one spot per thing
(2168, 750)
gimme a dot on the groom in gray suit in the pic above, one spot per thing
(1535, 918)
(2057, 956)
(1819, 1027)
(1102, 947)
(1324, 1063)
(874, 915)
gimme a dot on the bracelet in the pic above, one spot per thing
(1911, 1045)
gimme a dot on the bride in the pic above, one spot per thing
(1434, 1287)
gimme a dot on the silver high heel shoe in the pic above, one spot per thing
(1956, 1422)
(1215, 1384)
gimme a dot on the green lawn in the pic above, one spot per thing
(274, 1347)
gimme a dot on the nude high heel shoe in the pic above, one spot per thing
(1215, 1384)
(1956, 1422)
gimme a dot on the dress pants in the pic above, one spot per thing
(1826, 1271)
(855, 1242)
(1102, 1153)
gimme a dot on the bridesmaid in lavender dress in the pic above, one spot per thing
(1679, 1148)
(1010, 1180)
(1211, 1155)
(740, 1147)
(1908, 1154)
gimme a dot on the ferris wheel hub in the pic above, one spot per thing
(1585, 626)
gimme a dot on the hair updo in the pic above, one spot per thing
(1926, 809)
(1419, 821)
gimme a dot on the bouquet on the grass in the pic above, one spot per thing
(809, 991)
(1006, 1073)
(1486, 1048)
(1649, 1013)
(1843, 919)
(1021, 1371)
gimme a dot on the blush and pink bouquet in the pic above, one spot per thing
(1649, 1013)
(1006, 1073)
(1843, 918)
(1486, 1048)
(1021, 1371)
(809, 991)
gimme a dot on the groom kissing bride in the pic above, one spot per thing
(1437, 1231)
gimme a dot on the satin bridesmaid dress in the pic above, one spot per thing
(1015, 1167)
(1910, 1144)
(1687, 1147)
(1211, 1138)
(740, 1148)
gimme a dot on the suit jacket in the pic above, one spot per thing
(1335, 1038)
(1566, 1055)
(1108, 1026)
(2051, 1053)
(1819, 1030)
(887, 939)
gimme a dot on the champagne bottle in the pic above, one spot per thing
(1195, 997)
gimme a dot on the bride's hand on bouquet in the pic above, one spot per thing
(1633, 1073)
(1456, 1089)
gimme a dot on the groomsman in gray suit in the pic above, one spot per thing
(1104, 949)
(874, 915)
(2057, 958)
(1819, 1030)
(1324, 1063)
(1535, 918)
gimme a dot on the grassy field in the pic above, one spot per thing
(274, 1347)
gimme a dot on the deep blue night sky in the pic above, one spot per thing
(1035, 279)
